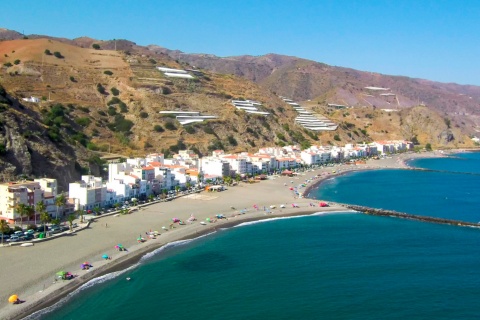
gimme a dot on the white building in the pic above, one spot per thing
(216, 167)
(88, 193)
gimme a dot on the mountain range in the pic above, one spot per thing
(105, 97)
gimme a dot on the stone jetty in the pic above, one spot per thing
(402, 215)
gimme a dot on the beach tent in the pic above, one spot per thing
(105, 256)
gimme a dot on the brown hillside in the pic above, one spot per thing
(84, 82)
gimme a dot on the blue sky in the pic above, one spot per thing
(435, 40)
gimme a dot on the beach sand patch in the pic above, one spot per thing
(200, 197)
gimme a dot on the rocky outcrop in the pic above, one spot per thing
(446, 136)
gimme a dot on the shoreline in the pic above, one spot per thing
(89, 244)
(136, 256)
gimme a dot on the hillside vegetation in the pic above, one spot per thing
(95, 100)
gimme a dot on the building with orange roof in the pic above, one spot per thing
(14, 193)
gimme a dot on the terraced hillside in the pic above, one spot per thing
(110, 101)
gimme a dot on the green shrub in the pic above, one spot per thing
(158, 128)
(108, 72)
(92, 146)
(122, 124)
(123, 107)
(143, 115)
(47, 52)
(83, 109)
(305, 145)
(208, 130)
(96, 46)
(53, 135)
(72, 78)
(336, 137)
(232, 141)
(3, 149)
(114, 100)
(152, 61)
(189, 129)
(16, 62)
(8, 64)
(170, 126)
(84, 122)
(111, 111)
(115, 91)
(101, 88)
(102, 113)
(215, 145)
(166, 90)
(58, 55)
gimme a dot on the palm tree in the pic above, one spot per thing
(80, 213)
(40, 208)
(44, 218)
(96, 210)
(70, 219)
(22, 212)
(177, 188)
(30, 212)
(150, 197)
(60, 201)
(4, 227)
(134, 201)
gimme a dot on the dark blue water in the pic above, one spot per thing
(336, 266)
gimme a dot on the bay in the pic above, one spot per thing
(328, 266)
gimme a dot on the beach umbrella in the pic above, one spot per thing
(13, 298)
(61, 273)
(105, 256)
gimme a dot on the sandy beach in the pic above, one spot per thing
(30, 271)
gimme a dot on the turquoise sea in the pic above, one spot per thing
(329, 266)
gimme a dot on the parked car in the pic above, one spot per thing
(41, 228)
(5, 236)
(57, 229)
(29, 231)
(28, 237)
(14, 239)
